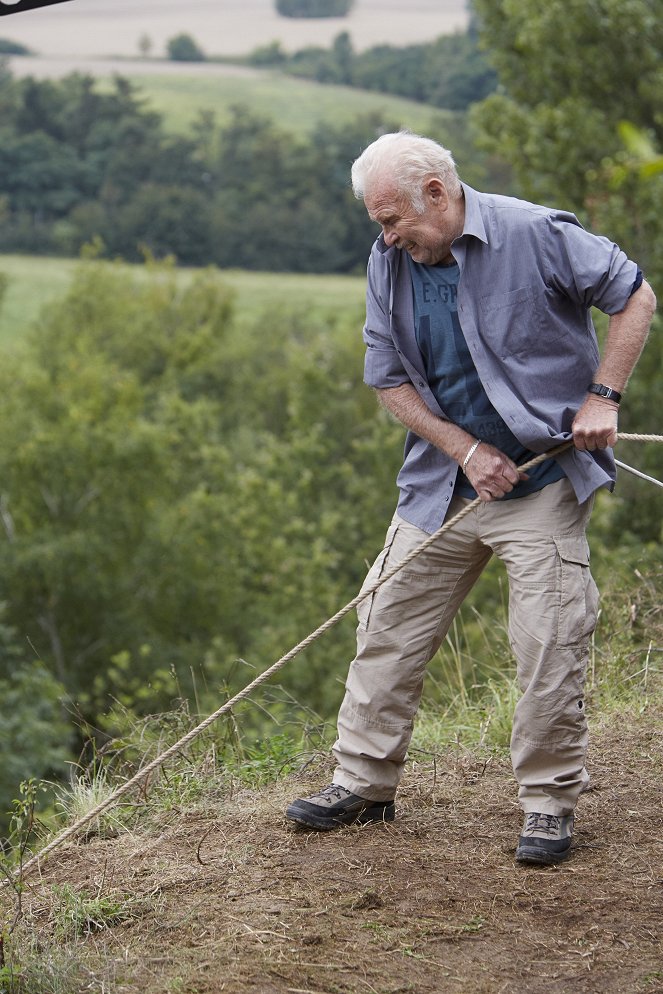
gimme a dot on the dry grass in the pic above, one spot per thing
(227, 896)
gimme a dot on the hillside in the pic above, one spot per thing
(223, 895)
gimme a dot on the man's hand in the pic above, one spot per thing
(595, 424)
(491, 473)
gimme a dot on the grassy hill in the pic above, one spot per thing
(34, 281)
(298, 105)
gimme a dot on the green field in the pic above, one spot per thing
(297, 105)
(35, 281)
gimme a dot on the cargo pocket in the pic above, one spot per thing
(578, 595)
(365, 607)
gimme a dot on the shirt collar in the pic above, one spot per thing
(474, 224)
(473, 221)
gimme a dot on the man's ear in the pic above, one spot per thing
(437, 192)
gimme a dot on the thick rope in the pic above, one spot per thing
(367, 591)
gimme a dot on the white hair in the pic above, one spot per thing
(406, 160)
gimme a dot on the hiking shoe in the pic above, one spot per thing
(336, 806)
(546, 838)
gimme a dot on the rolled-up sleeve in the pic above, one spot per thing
(590, 269)
(382, 365)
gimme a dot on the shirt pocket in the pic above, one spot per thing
(513, 320)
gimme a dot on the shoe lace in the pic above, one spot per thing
(536, 822)
(333, 793)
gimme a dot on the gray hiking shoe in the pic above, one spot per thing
(545, 839)
(335, 806)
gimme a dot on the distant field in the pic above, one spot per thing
(223, 27)
(296, 105)
(34, 282)
(179, 90)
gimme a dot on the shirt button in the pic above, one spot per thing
(421, 383)
(446, 500)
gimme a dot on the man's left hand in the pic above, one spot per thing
(595, 424)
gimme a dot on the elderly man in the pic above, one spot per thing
(480, 341)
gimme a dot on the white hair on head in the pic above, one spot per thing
(406, 160)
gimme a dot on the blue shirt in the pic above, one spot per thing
(528, 278)
(454, 380)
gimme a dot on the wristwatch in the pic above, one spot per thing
(604, 391)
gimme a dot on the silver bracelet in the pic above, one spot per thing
(473, 448)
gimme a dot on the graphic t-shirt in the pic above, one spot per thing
(454, 380)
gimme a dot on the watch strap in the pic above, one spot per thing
(603, 391)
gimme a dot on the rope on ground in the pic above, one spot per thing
(367, 591)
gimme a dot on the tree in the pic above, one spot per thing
(166, 220)
(314, 8)
(145, 45)
(562, 98)
(573, 128)
(183, 48)
(450, 72)
(182, 488)
(8, 47)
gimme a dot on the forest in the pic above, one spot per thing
(185, 492)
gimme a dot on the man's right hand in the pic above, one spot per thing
(491, 473)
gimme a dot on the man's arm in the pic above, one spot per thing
(595, 424)
(491, 473)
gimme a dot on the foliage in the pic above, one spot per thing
(177, 489)
(8, 47)
(37, 732)
(183, 48)
(588, 138)
(450, 72)
(76, 163)
(561, 100)
(314, 8)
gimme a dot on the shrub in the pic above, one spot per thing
(314, 8)
(182, 48)
(8, 47)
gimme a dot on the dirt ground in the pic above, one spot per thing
(229, 897)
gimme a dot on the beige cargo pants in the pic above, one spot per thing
(553, 604)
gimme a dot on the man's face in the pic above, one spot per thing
(426, 237)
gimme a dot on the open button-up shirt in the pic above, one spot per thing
(528, 278)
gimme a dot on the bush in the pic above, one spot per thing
(182, 48)
(314, 8)
(8, 47)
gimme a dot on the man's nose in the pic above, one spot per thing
(390, 236)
